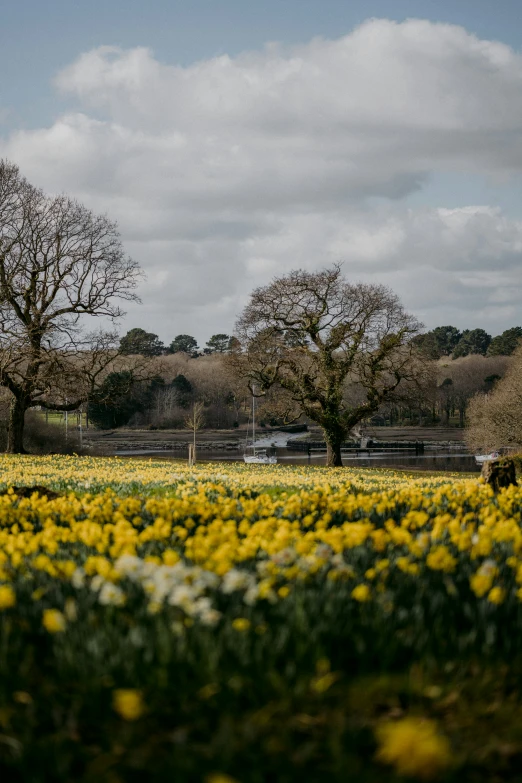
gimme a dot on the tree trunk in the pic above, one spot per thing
(15, 432)
(333, 450)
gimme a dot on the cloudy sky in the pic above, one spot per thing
(234, 141)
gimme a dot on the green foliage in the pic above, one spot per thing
(439, 342)
(183, 389)
(184, 343)
(218, 343)
(119, 398)
(475, 341)
(138, 341)
(490, 381)
(506, 343)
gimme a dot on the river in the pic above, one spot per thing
(431, 460)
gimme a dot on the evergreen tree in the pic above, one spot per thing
(138, 341)
(439, 342)
(218, 343)
(475, 341)
(119, 397)
(184, 343)
(506, 343)
(183, 389)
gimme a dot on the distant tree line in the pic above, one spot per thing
(140, 342)
(435, 344)
(450, 341)
(476, 361)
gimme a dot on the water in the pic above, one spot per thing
(431, 460)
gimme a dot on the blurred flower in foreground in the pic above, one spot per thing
(7, 597)
(219, 777)
(361, 593)
(241, 624)
(128, 703)
(414, 747)
(53, 621)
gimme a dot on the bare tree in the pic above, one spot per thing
(468, 375)
(310, 333)
(194, 421)
(59, 264)
(495, 418)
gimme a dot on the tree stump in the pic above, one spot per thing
(499, 473)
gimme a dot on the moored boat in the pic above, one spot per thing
(481, 458)
(258, 456)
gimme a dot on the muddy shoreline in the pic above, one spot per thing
(126, 440)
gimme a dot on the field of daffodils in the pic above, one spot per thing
(233, 623)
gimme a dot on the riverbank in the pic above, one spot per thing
(125, 439)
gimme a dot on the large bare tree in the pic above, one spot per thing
(59, 265)
(313, 333)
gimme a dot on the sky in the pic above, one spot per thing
(236, 141)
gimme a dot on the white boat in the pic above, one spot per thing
(481, 458)
(258, 456)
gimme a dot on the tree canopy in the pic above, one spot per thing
(119, 397)
(438, 342)
(59, 265)
(184, 343)
(472, 341)
(340, 332)
(218, 343)
(506, 343)
(138, 341)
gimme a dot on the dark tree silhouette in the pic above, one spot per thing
(59, 265)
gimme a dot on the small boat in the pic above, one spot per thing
(258, 456)
(481, 458)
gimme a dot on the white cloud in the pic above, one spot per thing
(231, 170)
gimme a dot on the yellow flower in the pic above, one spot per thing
(361, 593)
(22, 697)
(7, 597)
(241, 624)
(321, 684)
(440, 559)
(414, 747)
(53, 621)
(496, 595)
(480, 584)
(283, 592)
(128, 703)
(219, 777)
(207, 691)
